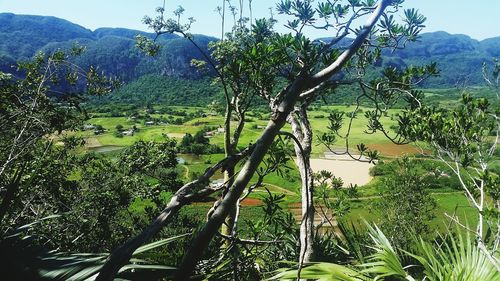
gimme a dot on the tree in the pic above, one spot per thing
(306, 67)
(45, 101)
(406, 204)
(461, 139)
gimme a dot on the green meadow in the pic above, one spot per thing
(449, 201)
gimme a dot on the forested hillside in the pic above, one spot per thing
(154, 89)
(111, 49)
(459, 57)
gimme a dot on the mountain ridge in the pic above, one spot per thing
(459, 56)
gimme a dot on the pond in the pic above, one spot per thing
(105, 148)
(188, 158)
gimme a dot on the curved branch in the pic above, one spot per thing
(333, 68)
(185, 195)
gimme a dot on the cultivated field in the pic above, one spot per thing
(352, 172)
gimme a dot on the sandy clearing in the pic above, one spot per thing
(176, 135)
(92, 143)
(350, 171)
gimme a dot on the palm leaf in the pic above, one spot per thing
(458, 258)
(385, 261)
(153, 245)
(322, 272)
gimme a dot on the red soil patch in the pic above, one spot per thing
(394, 150)
(249, 202)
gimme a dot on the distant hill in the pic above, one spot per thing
(21, 36)
(153, 89)
(112, 49)
(459, 57)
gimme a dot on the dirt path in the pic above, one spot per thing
(186, 173)
(276, 189)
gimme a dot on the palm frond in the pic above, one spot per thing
(385, 261)
(457, 258)
(52, 265)
(322, 272)
(75, 267)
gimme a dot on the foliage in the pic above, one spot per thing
(333, 197)
(32, 110)
(406, 204)
(104, 201)
(23, 258)
(269, 239)
(462, 139)
(453, 257)
(456, 258)
(199, 143)
(156, 89)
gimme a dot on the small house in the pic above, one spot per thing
(88, 127)
(129, 132)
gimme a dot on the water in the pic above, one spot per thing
(106, 148)
(188, 158)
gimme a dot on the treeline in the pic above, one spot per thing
(155, 89)
(171, 91)
(199, 144)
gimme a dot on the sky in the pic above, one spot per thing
(480, 19)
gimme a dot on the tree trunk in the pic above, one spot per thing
(285, 107)
(230, 149)
(206, 234)
(229, 174)
(227, 227)
(301, 129)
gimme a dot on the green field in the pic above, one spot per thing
(449, 201)
(319, 121)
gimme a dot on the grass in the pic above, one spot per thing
(319, 121)
(451, 203)
(448, 200)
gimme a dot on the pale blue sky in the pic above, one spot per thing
(479, 19)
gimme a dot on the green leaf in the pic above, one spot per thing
(159, 243)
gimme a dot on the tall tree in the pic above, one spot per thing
(308, 67)
(45, 101)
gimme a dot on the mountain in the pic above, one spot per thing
(459, 57)
(111, 49)
(21, 36)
